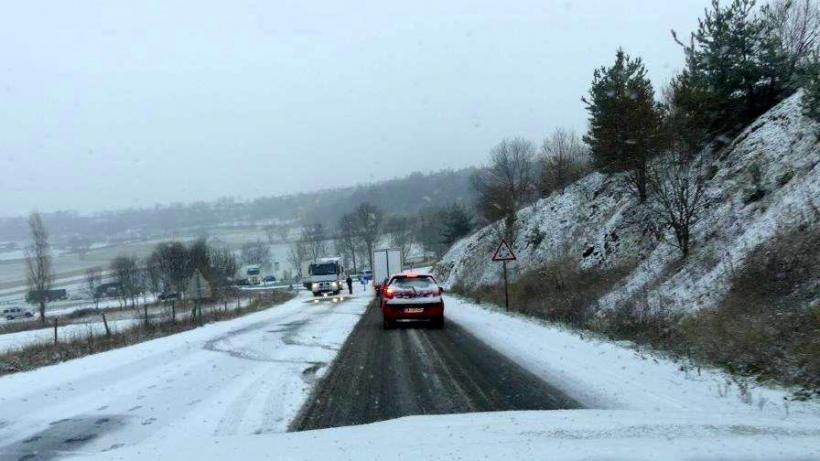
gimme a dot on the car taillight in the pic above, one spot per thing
(389, 293)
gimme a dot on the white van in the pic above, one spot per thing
(12, 313)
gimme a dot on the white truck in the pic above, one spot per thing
(254, 274)
(386, 262)
(325, 275)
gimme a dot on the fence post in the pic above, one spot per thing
(55, 330)
(105, 323)
(145, 309)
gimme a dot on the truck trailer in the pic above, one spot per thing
(386, 262)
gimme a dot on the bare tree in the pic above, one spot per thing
(39, 272)
(127, 273)
(175, 268)
(315, 241)
(154, 276)
(199, 255)
(270, 234)
(796, 24)
(677, 197)
(223, 269)
(507, 184)
(368, 219)
(256, 253)
(564, 159)
(402, 234)
(347, 240)
(284, 232)
(296, 256)
(93, 280)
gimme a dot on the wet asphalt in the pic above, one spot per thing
(415, 370)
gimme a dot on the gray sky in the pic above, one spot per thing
(110, 104)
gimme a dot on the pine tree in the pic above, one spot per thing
(624, 120)
(736, 68)
(811, 84)
(457, 223)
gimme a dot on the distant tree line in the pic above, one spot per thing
(369, 227)
(167, 272)
(277, 214)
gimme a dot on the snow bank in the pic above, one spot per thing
(599, 224)
(554, 435)
(603, 374)
(20, 339)
(239, 377)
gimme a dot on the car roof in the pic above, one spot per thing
(411, 275)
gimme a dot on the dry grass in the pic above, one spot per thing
(560, 292)
(38, 355)
(768, 327)
(769, 324)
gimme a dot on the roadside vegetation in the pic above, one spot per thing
(76, 346)
(767, 328)
(664, 147)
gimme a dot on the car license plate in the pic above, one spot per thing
(413, 310)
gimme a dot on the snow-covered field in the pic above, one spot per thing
(641, 407)
(240, 377)
(82, 330)
(69, 332)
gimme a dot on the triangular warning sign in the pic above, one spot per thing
(198, 287)
(504, 253)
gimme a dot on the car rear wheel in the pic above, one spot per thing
(437, 323)
(388, 324)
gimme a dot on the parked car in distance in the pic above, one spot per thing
(269, 279)
(412, 296)
(12, 313)
(168, 296)
(56, 294)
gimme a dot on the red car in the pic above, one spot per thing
(412, 297)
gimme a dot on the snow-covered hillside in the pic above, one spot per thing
(599, 224)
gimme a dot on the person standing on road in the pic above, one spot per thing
(349, 284)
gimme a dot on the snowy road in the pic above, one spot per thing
(240, 377)
(414, 370)
(230, 390)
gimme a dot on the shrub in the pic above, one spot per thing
(769, 324)
(767, 327)
(559, 292)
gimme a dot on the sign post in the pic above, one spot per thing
(504, 253)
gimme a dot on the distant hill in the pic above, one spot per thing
(405, 195)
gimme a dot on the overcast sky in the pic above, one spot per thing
(111, 104)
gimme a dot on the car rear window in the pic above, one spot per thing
(419, 283)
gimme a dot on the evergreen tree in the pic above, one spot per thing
(736, 68)
(811, 83)
(457, 223)
(624, 120)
